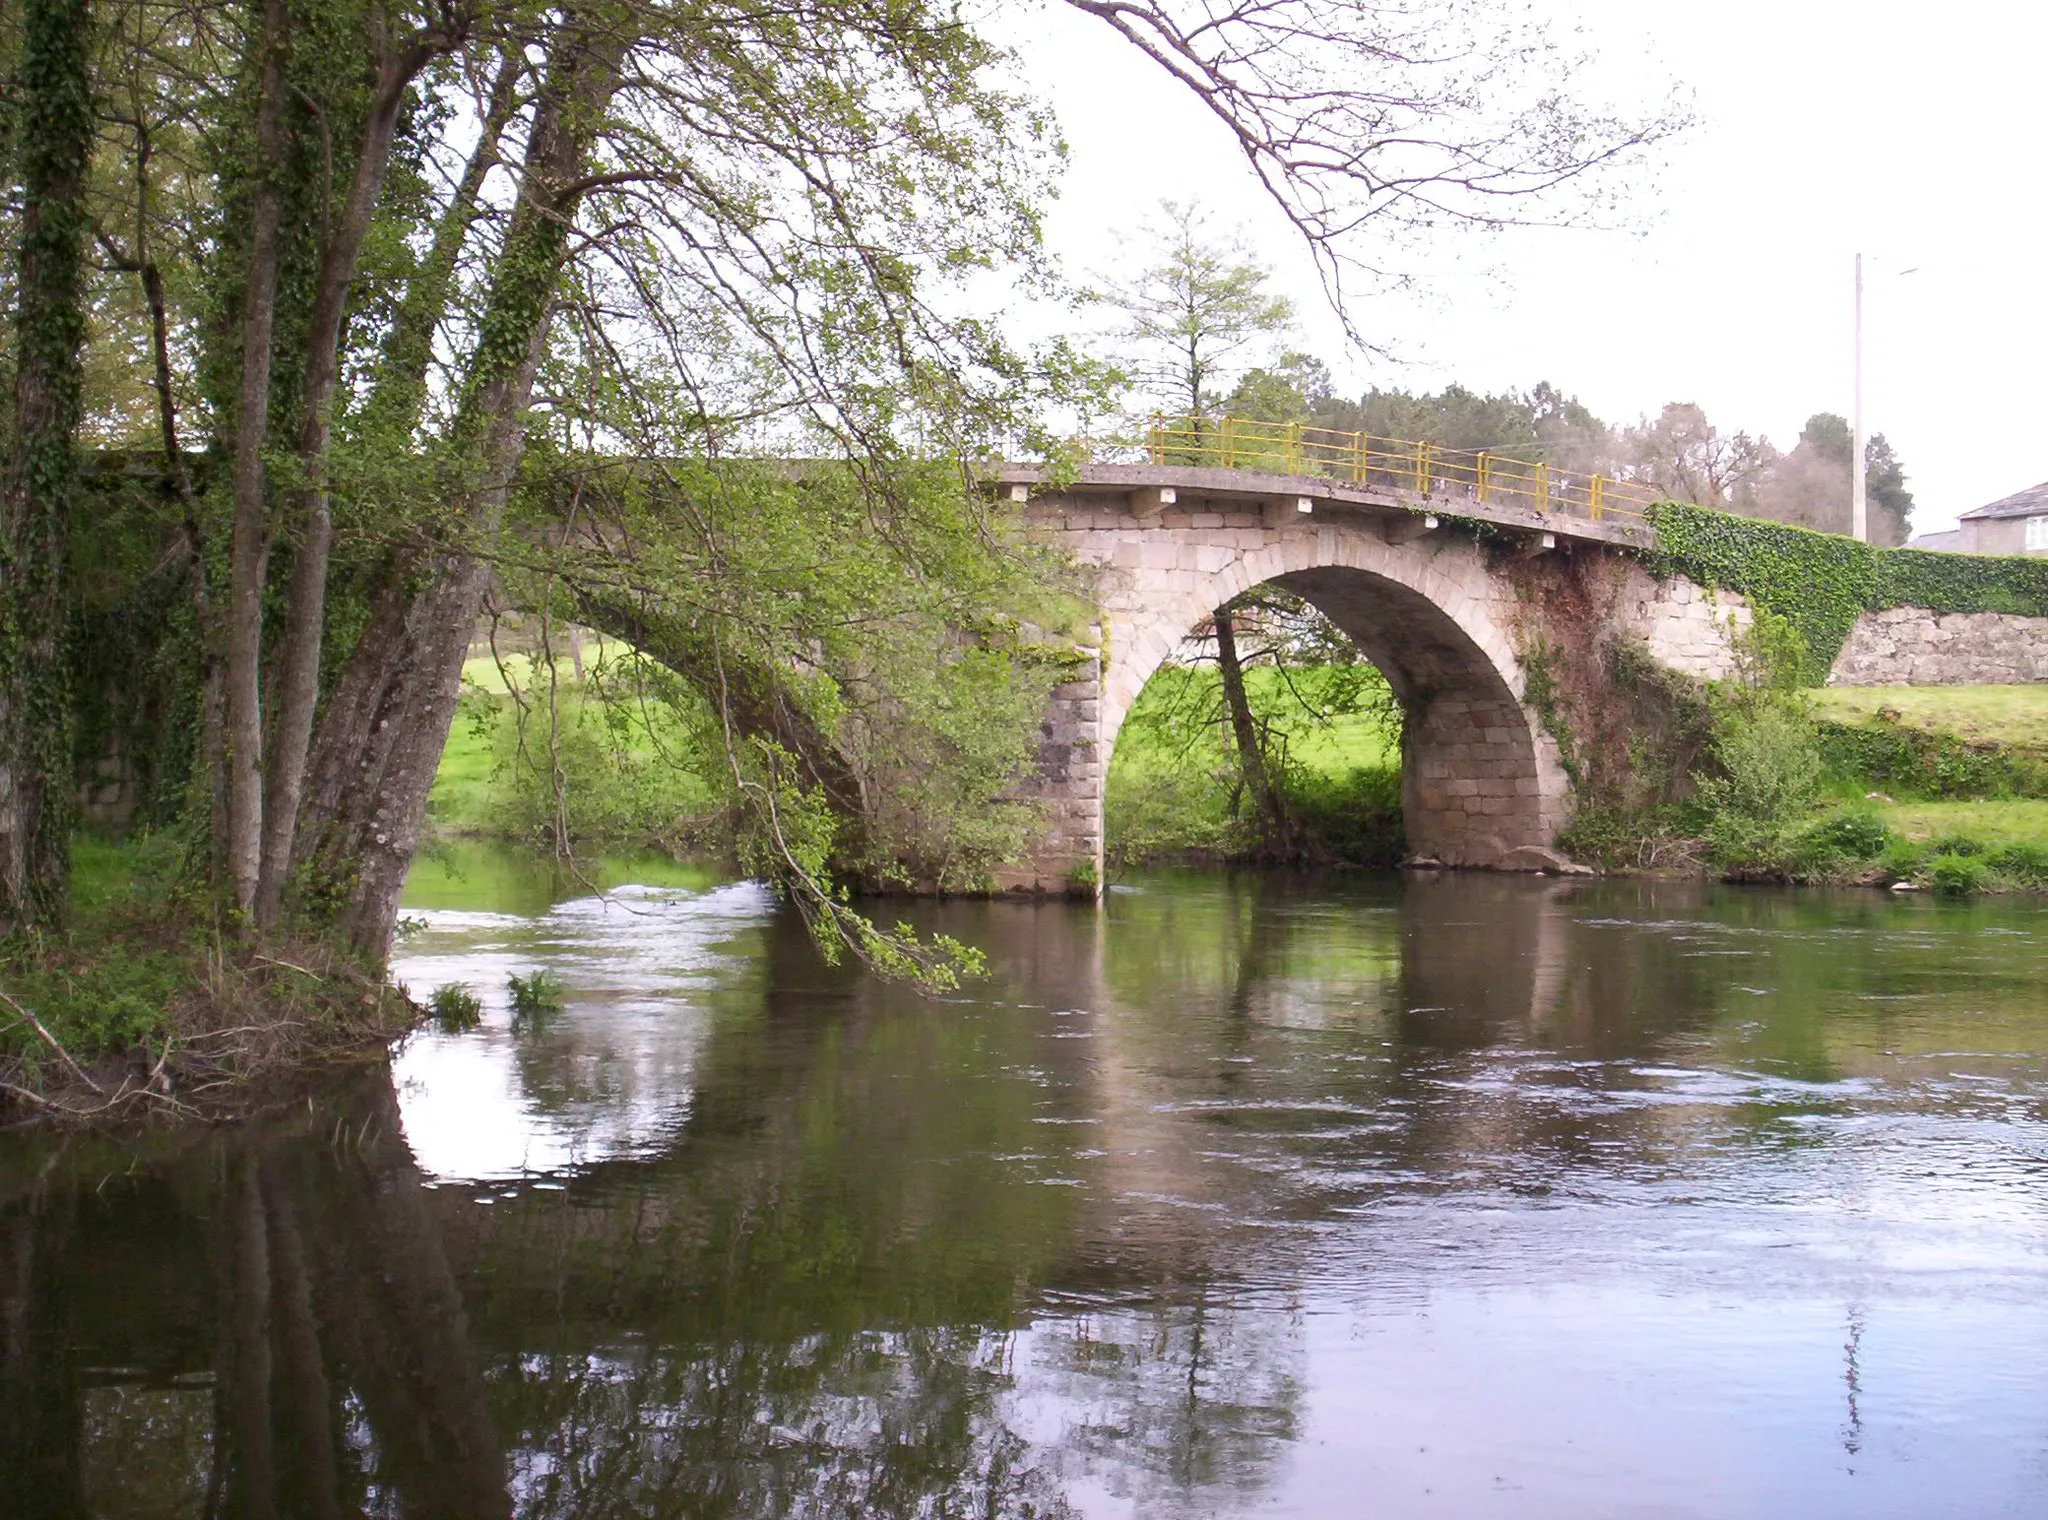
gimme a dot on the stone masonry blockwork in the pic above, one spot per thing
(1440, 614)
(1910, 646)
(1481, 779)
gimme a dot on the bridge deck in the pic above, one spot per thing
(1393, 509)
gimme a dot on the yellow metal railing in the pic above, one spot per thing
(1392, 464)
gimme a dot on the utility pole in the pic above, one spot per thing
(1859, 505)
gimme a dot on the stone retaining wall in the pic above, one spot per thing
(1910, 646)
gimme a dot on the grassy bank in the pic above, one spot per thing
(1174, 788)
(140, 1009)
(1937, 787)
(1951, 771)
(2011, 717)
(615, 772)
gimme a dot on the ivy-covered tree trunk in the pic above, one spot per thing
(381, 742)
(310, 513)
(41, 466)
(249, 547)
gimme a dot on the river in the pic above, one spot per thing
(1373, 1196)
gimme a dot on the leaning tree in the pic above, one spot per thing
(436, 300)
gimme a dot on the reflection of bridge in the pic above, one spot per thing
(827, 1284)
(1446, 570)
(813, 1292)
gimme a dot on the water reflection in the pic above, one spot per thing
(1449, 1195)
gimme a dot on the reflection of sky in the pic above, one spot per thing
(1333, 1256)
(611, 1074)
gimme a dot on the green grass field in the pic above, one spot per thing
(627, 784)
(1994, 823)
(2015, 716)
(1173, 775)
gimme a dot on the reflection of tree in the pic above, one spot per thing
(1186, 1400)
(41, 1439)
(803, 1311)
(336, 1344)
(845, 1290)
(901, 1423)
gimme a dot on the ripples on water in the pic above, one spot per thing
(1454, 1196)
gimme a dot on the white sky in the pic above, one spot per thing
(1915, 134)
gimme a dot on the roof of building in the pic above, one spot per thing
(1951, 539)
(2032, 502)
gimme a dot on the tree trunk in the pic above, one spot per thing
(298, 671)
(179, 472)
(401, 386)
(41, 467)
(1274, 820)
(757, 698)
(401, 695)
(249, 546)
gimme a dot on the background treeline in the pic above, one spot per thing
(1680, 451)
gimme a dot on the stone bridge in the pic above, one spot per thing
(1443, 613)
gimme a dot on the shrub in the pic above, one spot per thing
(1606, 833)
(455, 1007)
(1855, 833)
(2025, 864)
(1353, 818)
(1911, 764)
(1769, 779)
(536, 995)
(1959, 844)
(1902, 859)
(1958, 875)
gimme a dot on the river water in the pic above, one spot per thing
(1447, 1196)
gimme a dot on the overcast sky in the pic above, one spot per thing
(1914, 134)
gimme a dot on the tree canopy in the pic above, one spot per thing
(656, 315)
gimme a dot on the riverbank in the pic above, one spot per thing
(1957, 776)
(140, 1011)
(1943, 789)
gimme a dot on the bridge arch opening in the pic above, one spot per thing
(1480, 784)
(1323, 725)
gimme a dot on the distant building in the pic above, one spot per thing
(1950, 542)
(2016, 524)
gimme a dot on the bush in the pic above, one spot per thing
(1353, 818)
(1856, 833)
(1958, 844)
(1610, 834)
(536, 995)
(1913, 765)
(455, 1007)
(98, 1006)
(2024, 864)
(1769, 780)
(1958, 875)
(1902, 859)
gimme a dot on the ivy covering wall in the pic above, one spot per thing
(1821, 582)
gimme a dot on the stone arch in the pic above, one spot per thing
(1480, 778)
